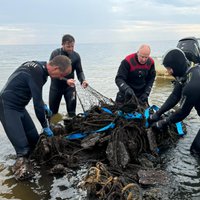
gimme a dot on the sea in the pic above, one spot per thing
(100, 63)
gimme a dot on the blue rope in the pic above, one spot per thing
(134, 115)
(179, 128)
(74, 136)
(107, 110)
(147, 114)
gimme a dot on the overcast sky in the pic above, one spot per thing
(45, 21)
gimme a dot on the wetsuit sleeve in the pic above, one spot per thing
(79, 70)
(36, 83)
(188, 101)
(121, 77)
(150, 79)
(172, 100)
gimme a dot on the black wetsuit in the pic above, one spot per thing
(60, 87)
(25, 83)
(139, 77)
(187, 89)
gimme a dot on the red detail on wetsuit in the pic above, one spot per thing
(131, 59)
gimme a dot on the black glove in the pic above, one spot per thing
(129, 94)
(160, 124)
(144, 98)
(154, 117)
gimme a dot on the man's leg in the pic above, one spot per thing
(13, 126)
(195, 147)
(55, 97)
(70, 98)
(12, 123)
(30, 130)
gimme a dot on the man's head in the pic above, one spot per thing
(143, 53)
(59, 67)
(175, 62)
(68, 42)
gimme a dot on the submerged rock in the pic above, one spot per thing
(152, 177)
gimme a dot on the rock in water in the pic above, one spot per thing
(152, 177)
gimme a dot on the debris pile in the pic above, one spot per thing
(120, 152)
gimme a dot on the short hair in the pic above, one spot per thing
(67, 38)
(61, 61)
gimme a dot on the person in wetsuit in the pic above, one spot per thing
(25, 83)
(135, 76)
(186, 91)
(58, 88)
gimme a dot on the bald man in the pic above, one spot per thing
(135, 76)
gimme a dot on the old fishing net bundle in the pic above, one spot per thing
(115, 146)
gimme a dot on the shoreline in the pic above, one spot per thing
(161, 72)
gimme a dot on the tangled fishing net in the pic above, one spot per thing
(121, 154)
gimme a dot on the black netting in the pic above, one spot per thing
(89, 97)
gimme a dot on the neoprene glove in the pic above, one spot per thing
(48, 132)
(144, 98)
(160, 124)
(48, 112)
(129, 93)
(154, 118)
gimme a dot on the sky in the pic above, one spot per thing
(97, 21)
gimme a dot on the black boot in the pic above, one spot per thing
(22, 169)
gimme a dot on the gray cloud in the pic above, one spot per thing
(45, 21)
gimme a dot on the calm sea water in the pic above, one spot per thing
(100, 63)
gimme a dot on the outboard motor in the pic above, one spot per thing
(190, 46)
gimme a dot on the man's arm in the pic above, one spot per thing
(187, 103)
(150, 79)
(79, 69)
(121, 77)
(55, 53)
(36, 83)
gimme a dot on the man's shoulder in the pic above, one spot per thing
(75, 56)
(56, 51)
(75, 53)
(132, 55)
